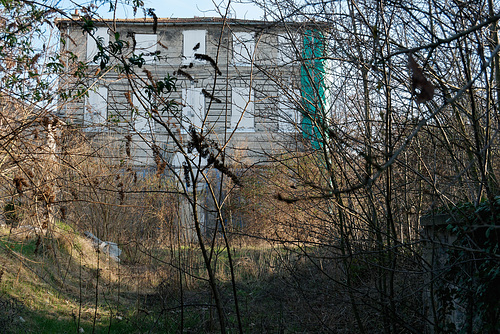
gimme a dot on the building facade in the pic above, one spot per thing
(237, 82)
(175, 95)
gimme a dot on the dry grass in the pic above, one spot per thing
(278, 288)
(60, 274)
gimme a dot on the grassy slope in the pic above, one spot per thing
(49, 286)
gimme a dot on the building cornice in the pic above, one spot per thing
(194, 21)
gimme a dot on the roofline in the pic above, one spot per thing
(181, 21)
(166, 21)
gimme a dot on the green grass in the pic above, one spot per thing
(24, 248)
(64, 227)
(51, 323)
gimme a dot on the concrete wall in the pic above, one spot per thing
(272, 78)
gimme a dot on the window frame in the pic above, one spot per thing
(242, 102)
(92, 50)
(138, 120)
(149, 49)
(293, 46)
(194, 108)
(96, 107)
(289, 116)
(187, 46)
(243, 46)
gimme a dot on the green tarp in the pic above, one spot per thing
(313, 88)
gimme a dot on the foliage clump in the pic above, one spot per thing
(473, 269)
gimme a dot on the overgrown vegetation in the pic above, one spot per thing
(472, 270)
(54, 291)
(398, 106)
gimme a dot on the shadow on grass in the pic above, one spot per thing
(29, 321)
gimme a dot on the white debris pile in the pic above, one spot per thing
(107, 247)
(29, 229)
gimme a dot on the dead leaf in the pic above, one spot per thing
(422, 88)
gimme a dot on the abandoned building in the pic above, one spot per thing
(248, 88)
(233, 78)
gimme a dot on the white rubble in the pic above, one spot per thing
(107, 247)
